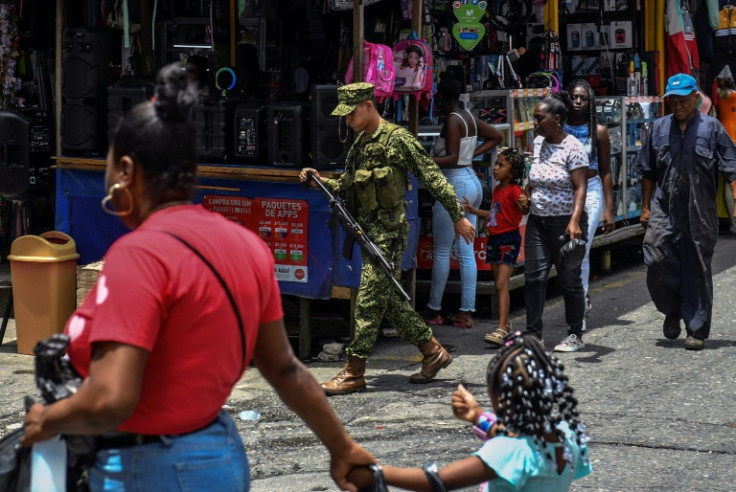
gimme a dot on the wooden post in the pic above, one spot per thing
(57, 73)
(358, 35)
(416, 26)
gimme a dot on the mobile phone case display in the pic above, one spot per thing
(513, 107)
(610, 113)
(640, 112)
(628, 120)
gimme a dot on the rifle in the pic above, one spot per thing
(356, 234)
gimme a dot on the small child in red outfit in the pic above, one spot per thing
(504, 240)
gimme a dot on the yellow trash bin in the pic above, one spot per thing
(43, 272)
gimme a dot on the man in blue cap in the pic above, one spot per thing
(679, 163)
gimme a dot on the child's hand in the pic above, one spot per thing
(523, 201)
(361, 476)
(466, 205)
(464, 405)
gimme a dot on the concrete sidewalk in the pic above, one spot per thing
(659, 417)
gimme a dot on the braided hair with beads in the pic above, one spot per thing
(533, 392)
(592, 117)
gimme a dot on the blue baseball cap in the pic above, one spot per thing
(680, 85)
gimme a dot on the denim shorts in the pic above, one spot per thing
(503, 248)
(211, 459)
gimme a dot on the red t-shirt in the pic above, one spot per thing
(154, 293)
(505, 214)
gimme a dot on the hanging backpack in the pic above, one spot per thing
(413, 65)
(378, 69)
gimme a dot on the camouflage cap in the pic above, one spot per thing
(349, 96)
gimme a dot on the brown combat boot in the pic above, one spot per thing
(349, 380)
(435, 358)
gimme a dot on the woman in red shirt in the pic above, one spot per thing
(173, 321)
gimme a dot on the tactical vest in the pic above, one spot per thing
(373, 186)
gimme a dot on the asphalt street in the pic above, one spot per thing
(658, 417)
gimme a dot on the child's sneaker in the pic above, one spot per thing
(570, 344)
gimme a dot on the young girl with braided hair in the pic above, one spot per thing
(508, 203)
(534, 440)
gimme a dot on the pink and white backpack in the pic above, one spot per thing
(378, 69)
(413, 64)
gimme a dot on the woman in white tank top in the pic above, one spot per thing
(453, 153)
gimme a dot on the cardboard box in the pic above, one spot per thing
(588, 36)
(603, 40)
(621, 34)
(574, 42)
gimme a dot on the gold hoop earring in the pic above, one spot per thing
(105, 201)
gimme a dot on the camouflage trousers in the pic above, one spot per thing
(379, 298)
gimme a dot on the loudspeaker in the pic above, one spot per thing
(214, 124)
(84, 60)
(249, 122)
(287, 132)
(25, 152)
(331, 139)
(122, 96)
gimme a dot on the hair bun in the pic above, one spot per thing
(174, 94)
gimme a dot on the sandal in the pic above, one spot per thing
(432, 317)
(496, 338)
(462, 319)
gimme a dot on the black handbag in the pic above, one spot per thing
(15, 463)
(572, 253)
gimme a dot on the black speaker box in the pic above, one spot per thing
(214, 125)
(249, 123)
(287, 134)
(25, 152)
(84, 59)
(331, 136)
(122, 96)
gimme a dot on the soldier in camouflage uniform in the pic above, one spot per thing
(373, 185)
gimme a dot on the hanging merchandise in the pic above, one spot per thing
(9, 83)
(413, 65)
(551, 56)
(543, 80)
(509, 15)
(469, 31)
(378, 69)
(682, 49)
(341, 5)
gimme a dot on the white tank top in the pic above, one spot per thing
(467, 143)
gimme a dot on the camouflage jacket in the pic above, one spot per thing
(405, 155)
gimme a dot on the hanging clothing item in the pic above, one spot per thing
(682, 49)
(683, 225)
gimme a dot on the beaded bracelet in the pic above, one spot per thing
(484, 424)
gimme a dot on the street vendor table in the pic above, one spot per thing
(311, 270)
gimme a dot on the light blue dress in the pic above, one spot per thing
(521, 465)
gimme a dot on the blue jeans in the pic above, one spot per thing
(466, 185)
(211, 459)
(542, 245)
(594, 205)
